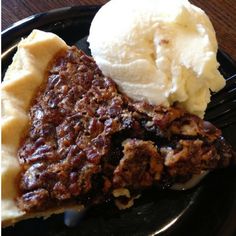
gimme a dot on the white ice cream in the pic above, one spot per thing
(159, 51)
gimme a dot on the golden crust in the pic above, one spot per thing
(45, 214)
(21, 80)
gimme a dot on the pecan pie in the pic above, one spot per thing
(83, 142)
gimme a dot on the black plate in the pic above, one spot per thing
(208, 209)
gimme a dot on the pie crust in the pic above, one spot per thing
(21, 80)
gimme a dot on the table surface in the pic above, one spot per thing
(221, 13)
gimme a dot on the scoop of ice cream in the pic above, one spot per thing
(159, 51)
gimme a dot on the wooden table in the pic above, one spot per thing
(221, 12)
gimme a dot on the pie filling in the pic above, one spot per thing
(89, 143)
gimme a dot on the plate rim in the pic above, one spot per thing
(39, 19)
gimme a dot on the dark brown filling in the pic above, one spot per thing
(87, 139)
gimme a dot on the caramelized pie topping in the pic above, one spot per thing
(87, 139)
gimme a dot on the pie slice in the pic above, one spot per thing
(70, 139)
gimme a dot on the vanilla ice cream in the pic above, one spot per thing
(159, 51)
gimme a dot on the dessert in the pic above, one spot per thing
(159, 51)
(71, 139)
